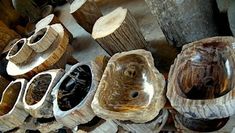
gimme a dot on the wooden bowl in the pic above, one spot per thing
(37, 98)
(12, 113)
(201, 80)
(131, 88)
(73, 95)
(20, 52)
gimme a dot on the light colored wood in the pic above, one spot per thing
(153, 126)
(182, 21)
(20, 52)
(12, 113)
(211, 106)
(43, 39)
(37, 99)
(54, 57)
(3, 84)
(118, 31)
(6, 36)
(123, 93)
(85, 13)
(72, 115)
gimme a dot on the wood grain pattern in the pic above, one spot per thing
(85, 13)
(199, 92)
(118, 31)
(182, 21)
(131, 88)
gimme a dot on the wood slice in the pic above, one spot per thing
(85, 12)
(202, 79)
(49, 20)
(98, 125)
(43, 39)
(124, 94)
(12, 113)
(6, 36)
(231, 17)
(3, 84)
(37, 98)
(153, 126)
(45, 60)
(182, 21)
(73, 95)
(118, 31)
(20, 52)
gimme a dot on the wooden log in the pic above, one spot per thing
(6, 36)
(118, 31)
(73, 95)
(53, 57)
(201, 79)
(124, 94)
(50, 20)
(85, 13)
(231, 18)
(3, 84)
(154, 126)
(20, 52)
(37, 99)
(182, 21)
(12, 113)
(43, 39)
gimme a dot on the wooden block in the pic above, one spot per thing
(85, 13)
(118, 31)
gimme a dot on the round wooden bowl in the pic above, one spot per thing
(201, 80)
(37, 98)
(131, 88)
(43, 39)
(20, 52)
(12, 113)
(73, 95)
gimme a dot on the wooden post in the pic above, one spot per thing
(182, 21)
(202, 91)
(86, 13)
(118, 31)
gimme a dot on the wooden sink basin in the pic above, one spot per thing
(131, 88)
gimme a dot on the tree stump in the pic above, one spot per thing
(182, 21)
(118, 31)
(85, 13)
(124, 94)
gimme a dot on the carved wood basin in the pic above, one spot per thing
(131, 88)
(12, 113)
(73, 95)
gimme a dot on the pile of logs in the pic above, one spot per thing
(124, 92)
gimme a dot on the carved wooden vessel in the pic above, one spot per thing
(73, 95)
(12, 113)
(85, 13)
(118, 31)
(182, 21)
(131, 88)
(201, 79)
(20, 52)
(54, 57)
(37, 98)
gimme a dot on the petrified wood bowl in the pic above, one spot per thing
(12, 113)
(20, 52)
(131, 88)
(43, 39)
(202, 79)
(73, 95)
(37, 98)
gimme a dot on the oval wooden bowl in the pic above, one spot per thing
(43, 39)
(73, 95)
(20, 52)
(201, 80)
(51, 58)
(37, 98)
(131, 88)
(12, 113)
